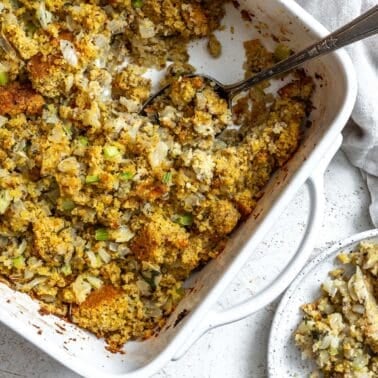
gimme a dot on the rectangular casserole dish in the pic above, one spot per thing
(333, 103)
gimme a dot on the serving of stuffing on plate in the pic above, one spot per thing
(340, 329)
(104, 212)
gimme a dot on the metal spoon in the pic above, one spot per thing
(362, 27)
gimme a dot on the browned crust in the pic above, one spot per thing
(16, 98)
(105, 294)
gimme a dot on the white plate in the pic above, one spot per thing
(284, 358)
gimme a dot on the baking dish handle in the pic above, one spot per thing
(217, 318)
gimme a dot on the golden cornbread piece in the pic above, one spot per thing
(131, 84)
(107, 312)
(26, 46)
(214, 46)
(160, 241)
(47, 74)
(183, 90)
(52, 240)
(258, 57)
(17, 99)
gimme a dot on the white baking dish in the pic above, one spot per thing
(333, 101)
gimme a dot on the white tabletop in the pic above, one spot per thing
(239, 349)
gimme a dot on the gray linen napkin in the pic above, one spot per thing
(361, 134)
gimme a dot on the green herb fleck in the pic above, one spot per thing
(92, 179)
(101, 234)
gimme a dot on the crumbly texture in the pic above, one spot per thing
(340, 329)
(105, 212)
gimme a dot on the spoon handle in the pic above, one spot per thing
(362, 27)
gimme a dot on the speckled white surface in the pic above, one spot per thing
(239, 349)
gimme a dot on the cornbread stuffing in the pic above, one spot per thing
(340, 329)
(105, 212)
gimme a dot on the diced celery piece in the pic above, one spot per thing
(68, 204)
(125, 176)
(83, 141)
(111, 152)
(92, 179)
(167, 177)
(185, 219)
(4, 78)
(101, 234)
(137, 3)
(19, 262)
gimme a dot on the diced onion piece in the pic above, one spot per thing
(69, 165)
(358, 309)
(81, 289)
(94, 263)
(3, 121)
(105, 257)
(22, 247)
(158, 155)
(123, 234)
(43, 15)
(69, 52)
(143, 287)
(5, 200)
(94, 281)
(35, 282)
(146, 28)
(336, 321)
